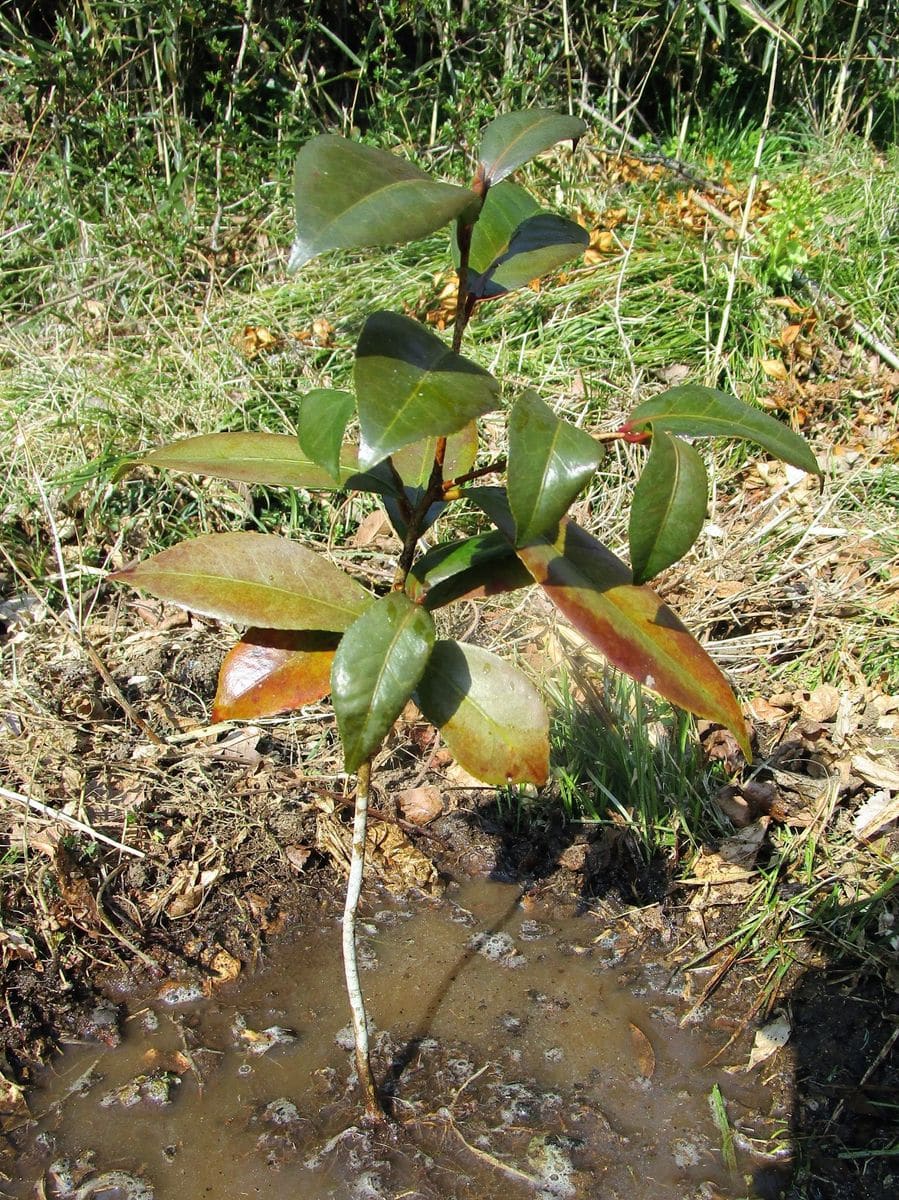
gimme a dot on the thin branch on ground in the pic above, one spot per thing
(53, 814)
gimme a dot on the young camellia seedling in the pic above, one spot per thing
(313, 629)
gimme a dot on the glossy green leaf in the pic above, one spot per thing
(415, 461)
(514, 138)
(550, 460)
(669, 505)
(484, 565)
(414, 464)
(324, 414)
(489, 714)
(635, 631)
(539, 245)
(273, 459)
(349, 195)
(252, 579)
(378, 663)
(707, 412)
(505, 207)
(411, 386)
(271, 671)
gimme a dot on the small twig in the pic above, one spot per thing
(675, 165)
(616, 309)
(713, 983)
(111, 928)
(471, 1078)
(491, 469)
(55, 815)
(492, 1161)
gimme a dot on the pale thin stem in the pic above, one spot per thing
(744, 224)
(350, 965)
(837, 116)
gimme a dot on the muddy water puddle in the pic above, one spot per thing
(520, 1057)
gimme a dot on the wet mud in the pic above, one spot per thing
(520, 1054)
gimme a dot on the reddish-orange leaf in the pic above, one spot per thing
(635, 631)
(631, 626)
(271, 671)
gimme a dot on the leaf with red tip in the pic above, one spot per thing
(632, 627)
(706, 412)
(271, 671)
(490, 715)
(252, 579)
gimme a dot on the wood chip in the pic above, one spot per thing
(768, 1040)
(420, 805)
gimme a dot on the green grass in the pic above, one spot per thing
(621, 756)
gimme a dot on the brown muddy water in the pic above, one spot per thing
(522, 1057)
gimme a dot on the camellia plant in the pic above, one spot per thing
(312, 629)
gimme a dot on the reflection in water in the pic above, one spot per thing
(517, 1061)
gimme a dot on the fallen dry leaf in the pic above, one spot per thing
(369, 528)
(711, 869)
(876, 773)
(13, 1109)
(644, 1055)
(14, 945)
(875, 815)
(173, 1061)
(421, 804)
(574, 858)
(187, 890)
(400, 864)
(734, 806)
(821, 704)
(225, 967)
(255, 340)
(237, 746)
(260, 1041)
(298, 856)
(764, 711)
(775, 369)
(742, 849)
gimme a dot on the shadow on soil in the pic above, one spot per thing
(844, 1118)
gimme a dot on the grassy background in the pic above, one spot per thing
(146, 203)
